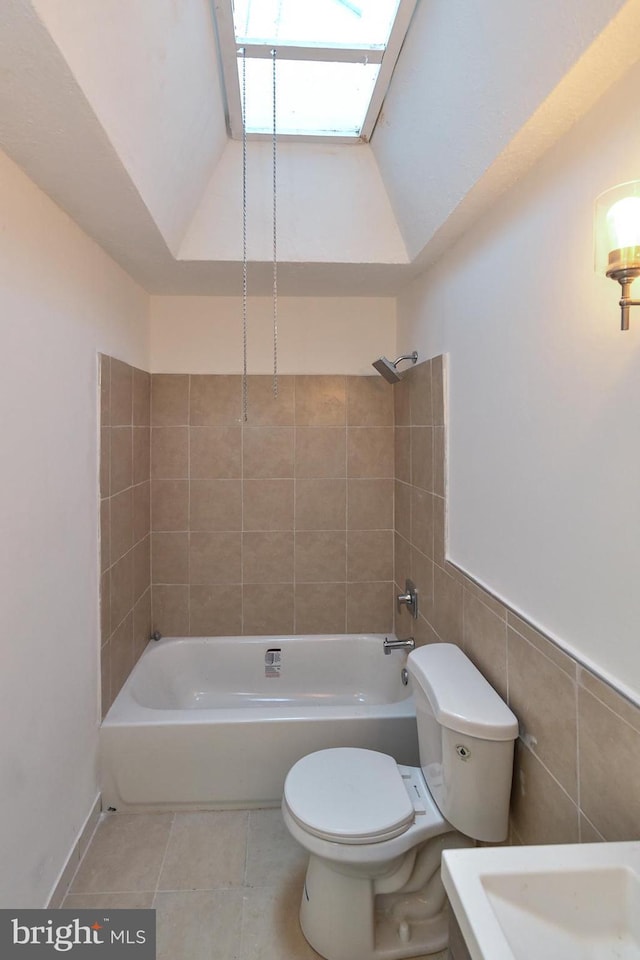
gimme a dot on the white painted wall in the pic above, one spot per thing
(315, 335)
(332, 207)
(149, 69)
(61, 300)
(544, 398)
(469, 78)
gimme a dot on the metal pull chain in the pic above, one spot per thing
(275, 234)
(242, 51)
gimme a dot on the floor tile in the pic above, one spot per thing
(199, 925)
(270, 926)
(206, 850)
(108, 901)
(273, 856)
(125, 854)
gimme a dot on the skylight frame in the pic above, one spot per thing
(385, 56)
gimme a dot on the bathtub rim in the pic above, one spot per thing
(126, 710)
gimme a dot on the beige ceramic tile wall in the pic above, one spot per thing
(125, 590)
(577, 771)
(419, 497)
(282, 523)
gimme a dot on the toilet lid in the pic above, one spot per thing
(348, 795)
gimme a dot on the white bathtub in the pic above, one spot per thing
(214, 722)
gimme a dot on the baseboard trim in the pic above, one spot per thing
(77, 852)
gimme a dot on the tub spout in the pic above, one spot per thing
(389, 645)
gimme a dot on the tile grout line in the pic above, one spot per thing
(246, 848)
(188, 505)
(132, 654)
(109, 563)
(164, 857)
(294, 521)
(346, 511)
(242, 530)
(243, 887)
(578, 775)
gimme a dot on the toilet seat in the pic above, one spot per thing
(349, 795)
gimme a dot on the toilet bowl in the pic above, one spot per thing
(375, 830)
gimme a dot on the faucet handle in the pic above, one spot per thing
(409, 598)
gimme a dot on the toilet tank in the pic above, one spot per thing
(466, 734)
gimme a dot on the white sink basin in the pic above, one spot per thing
(569, 902)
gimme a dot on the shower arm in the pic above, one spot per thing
(407, 356)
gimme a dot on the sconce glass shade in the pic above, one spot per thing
(618, 241)
(617, 231)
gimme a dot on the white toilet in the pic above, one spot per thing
(375, 830)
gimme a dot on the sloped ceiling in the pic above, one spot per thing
(117, 111)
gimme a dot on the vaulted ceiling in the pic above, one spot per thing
(116, 109)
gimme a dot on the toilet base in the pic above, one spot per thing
(343, 919)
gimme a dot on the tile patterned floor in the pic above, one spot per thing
(225, 885)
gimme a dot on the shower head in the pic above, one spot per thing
(388, 369)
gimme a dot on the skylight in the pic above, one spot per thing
(334, 63)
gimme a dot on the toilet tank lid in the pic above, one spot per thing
(460, 696)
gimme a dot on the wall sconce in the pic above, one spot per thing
(618, 240)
